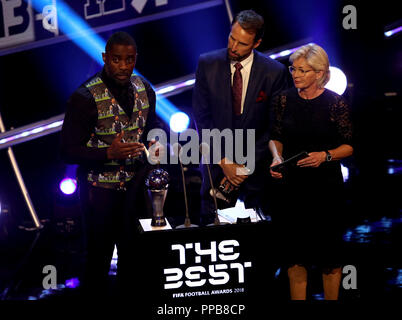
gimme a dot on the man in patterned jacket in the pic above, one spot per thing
(110, 206)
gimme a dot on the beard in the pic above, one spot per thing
(236, 57)
(120, 82)
(114, 77)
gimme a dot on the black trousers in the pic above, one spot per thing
(111, 218)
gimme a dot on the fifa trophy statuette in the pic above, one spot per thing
(157, 183)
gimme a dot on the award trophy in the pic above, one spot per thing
(226, 194)
(157, 183)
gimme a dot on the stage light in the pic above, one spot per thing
(68, 186)
(113, 263)
(363, 228)
(345, 173)
(37, 130)
(72, 283)
(390, 33)
(166, 89)
(277, 273)
(338, 81)
(189, 82)
(179, 122)
(394, 166)
(27, 133)
(286, 52)
(177, 86)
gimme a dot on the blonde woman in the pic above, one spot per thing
(316, 120)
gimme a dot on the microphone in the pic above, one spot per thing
(187, 222)
(146, 152)
(204, 150)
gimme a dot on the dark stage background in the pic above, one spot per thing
(35, 84)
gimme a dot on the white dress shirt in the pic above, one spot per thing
(245, 73)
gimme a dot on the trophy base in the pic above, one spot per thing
(217, 224)
(183, 226)
(158, 222)
(243, 220)
(145, 226)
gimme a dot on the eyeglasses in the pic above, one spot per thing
(302, 72)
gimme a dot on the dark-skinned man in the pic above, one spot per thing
(110, 206)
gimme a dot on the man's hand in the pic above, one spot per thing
(121, 150)
(231, 171)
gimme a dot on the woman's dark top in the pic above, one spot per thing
(311, 204)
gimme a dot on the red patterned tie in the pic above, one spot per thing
(237, 89)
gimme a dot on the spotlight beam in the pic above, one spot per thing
(393, 29)
(390, 33)
(21, 183)
(287, 50)
(30, 132)
(114, 26)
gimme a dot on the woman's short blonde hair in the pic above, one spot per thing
(317, 59)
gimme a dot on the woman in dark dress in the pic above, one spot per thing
(313, 119)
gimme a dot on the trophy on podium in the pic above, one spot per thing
(157, 183)
(226, 194)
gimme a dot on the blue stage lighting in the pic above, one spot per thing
(286, 52)
(179, 122)
(72, 283)
(390, 33)
(338, 81)
(68, 186)
(345, 173)
(75, 28)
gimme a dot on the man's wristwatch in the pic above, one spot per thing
(328, 156)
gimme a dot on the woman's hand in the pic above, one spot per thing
(313, 160)
(274, 174)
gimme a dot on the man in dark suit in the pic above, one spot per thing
(233, 90)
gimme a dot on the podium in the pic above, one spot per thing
(224, 266)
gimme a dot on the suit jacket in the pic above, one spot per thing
(212, 97)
